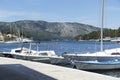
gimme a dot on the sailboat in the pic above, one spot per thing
(105, 59)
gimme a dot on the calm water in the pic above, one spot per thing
(69, 47)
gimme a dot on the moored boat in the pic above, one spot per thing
(96, 65)
(106, 55)
(28, 54)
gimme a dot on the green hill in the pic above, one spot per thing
(42, 30)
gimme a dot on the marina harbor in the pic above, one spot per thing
(61, 56)
(59, 40)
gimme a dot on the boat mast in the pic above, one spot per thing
(102, 23)
(37, 46)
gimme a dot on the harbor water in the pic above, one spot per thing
(68, 47)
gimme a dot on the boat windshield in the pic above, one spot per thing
(17, 51)
(43, 54)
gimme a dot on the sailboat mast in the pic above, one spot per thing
(102, 23)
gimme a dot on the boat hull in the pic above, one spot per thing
(32, 58)
(92, 58)
(87, 65)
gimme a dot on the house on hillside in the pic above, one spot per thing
(11, 35)
(1, 37)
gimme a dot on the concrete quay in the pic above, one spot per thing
(15, 69)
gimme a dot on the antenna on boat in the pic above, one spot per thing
(102, 23)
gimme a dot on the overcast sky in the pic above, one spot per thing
(82, 11)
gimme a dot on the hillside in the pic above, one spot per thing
(43, 30)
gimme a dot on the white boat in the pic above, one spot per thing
(95, 65)
(13, 41)
(20, 40)
(32, 54)
(28, 54)
(26, 40)
(106, 55)
(116, 39)
(1, 41)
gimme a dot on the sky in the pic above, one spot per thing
(81, 11)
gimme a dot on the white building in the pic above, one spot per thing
(1, 37)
